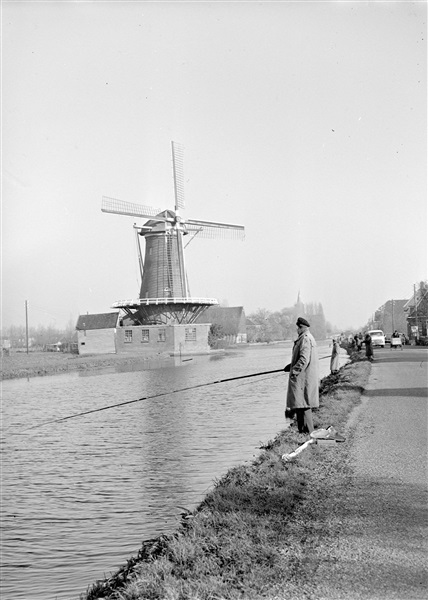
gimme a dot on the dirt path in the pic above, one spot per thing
(375, 505)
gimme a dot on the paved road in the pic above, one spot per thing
(378, 547)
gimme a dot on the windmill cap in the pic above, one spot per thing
(301, 321)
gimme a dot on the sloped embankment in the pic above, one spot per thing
(21, 364)
(255, 533)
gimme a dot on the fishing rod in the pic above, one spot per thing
(185, 389)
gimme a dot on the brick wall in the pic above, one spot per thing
(157, 339)
(96, 341)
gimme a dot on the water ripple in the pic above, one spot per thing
(81, 495)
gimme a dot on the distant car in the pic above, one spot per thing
(387, 339)
(378, 337)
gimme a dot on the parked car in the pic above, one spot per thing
(378, 337)
(387, 338)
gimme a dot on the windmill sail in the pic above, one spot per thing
(120, 207)
(215, 230)
(178, 170)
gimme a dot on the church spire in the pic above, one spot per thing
(299, 307)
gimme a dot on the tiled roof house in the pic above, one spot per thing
(96, 333)
(416, 310)
(232, 320)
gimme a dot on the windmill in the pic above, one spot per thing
(164, 294)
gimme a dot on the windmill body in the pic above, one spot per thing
(164, 294)
(163, 273)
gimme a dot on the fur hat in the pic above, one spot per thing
(302, 321)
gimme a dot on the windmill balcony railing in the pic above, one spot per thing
(166, 300)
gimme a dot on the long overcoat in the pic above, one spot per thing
(335, 357)
(303, 383)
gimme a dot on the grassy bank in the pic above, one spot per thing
(255, 533)
(21, 364)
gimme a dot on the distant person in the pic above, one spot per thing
(303, 384)
(335, 356)
(396, 334)
(357, 342)
(369, 346)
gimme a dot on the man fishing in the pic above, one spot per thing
(303, 383)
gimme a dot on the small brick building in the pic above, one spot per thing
(96, 334)
(158, 339)
(106, 333)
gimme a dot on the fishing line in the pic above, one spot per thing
(185, 389)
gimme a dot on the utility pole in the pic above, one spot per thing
(416, 312)
(26, 323)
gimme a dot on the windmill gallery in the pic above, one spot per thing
(164, 316)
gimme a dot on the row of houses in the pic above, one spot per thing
(108, 333)
(408, 315)
(416, 309)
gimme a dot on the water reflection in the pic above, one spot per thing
(79, 496)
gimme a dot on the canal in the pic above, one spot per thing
(79, 496)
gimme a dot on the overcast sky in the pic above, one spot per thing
(304, 122)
